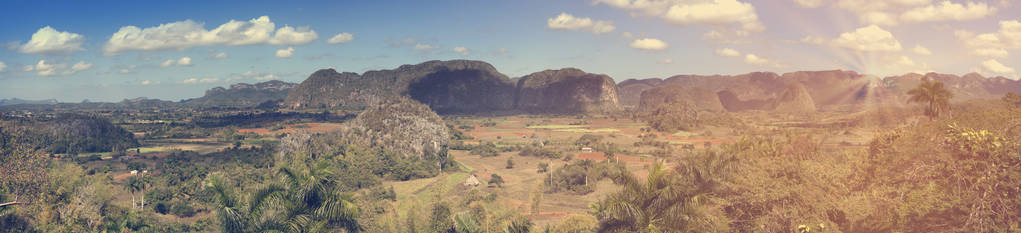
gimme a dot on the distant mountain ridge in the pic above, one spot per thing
(834, 90)
(567, 90)
(16, 101)
(446, 86)
(469, 87)
(459, 86)
(243, 95)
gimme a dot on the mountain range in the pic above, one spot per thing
(467, 87)
(243, 95)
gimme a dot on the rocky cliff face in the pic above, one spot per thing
(795, 99)
(462, 86)
(567, 91)
(700, 99)
(402, 125)
(458, 86)
(630, 90)
(838, 90)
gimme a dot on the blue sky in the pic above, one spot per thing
(65, 49)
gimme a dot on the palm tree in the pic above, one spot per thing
(138, 183)
(305, 202)
(933, 95)
(659, 204)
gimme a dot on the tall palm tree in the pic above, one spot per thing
(933, 95)
(138, 183)
(659, 204)
(307, 201)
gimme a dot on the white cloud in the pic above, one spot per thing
(147, 82)
(992, 66)
(265, 77)
(808, 3)
(900, 64)
(462, 50)
(188, 33)
(566, 21)
(895, 12)
(424, 47)
(921, 50)
(648, 44)
(80, 66)
(220, 55)
(716, 12)
(993, 53)
(756, 60)
(641, 7)
(725, 36)
(184, 61)
(3, 66)
(257, 76)
(993, 44)
(501, 52)
(341, 38)
(44, 68)
(285, 53)
(49, 41)
(728, 52)
(288, 35)
(879, 18)
(871, 38)
(200, 80)
(627, 35)
(666, 61)
(813, 40)
(687, 12)
(126, 70)
(947, 11)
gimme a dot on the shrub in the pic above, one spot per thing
(496, 180)
(182, 210)
(485, 150)
(161, 207)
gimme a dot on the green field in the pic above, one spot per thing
(575, 130)
(556, 126)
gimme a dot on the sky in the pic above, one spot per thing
(172, 50)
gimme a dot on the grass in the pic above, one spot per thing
(556, 126)
(575, 130)
(683, 133)
(465, 166)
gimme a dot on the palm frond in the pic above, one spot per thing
(261, 196)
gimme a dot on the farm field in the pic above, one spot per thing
(522, 180)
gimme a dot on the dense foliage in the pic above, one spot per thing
(581, 176)
(403, 125)
(73, 134)
(679, 115)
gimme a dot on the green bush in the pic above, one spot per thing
(161, 207)
(182, 209)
